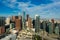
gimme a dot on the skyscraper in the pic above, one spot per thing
(13, 18)
(18, 24)
(23, 21)
(2, 30)
(57, 30)
(29, 22)
(37, 23)
(27, 17)
(50, 28)
(53, 25)
(44, 25)
(7, 21)
(33, 23)
(2, 21)
(2, 24)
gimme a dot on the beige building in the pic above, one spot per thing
(7, 21)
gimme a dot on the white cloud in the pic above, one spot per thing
(44, 10)
(14, 4)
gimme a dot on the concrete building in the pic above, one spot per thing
(13, 18)
(53, 25)
(7, 28)
(18, 24)
(17, 20)
(2, 30)
(30, 22)
(7, 20)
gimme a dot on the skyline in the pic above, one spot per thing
(44, 8)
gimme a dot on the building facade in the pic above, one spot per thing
(23, 21)
(37, 23)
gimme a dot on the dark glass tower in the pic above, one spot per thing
(27, 17)
(2, 21)
(23, 21)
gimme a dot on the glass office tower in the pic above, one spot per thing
(37, 23)
(23, 21)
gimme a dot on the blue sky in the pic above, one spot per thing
(44, 8)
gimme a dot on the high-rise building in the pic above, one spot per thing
(23, 21)
(13, 18)
(50, 28)
(20, 17)
(2, 21)
(47, 26)
(37, 23)
(52, 20)
(7, 28)
(44, 25)
(53, 25)
(2, 24)
(30, 22)
(18, 24)
(57, 30)
(27, 17)
(17, 20)
(7, 21)
(2, 30)
(33, 23)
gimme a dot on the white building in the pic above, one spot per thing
(7, 21)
